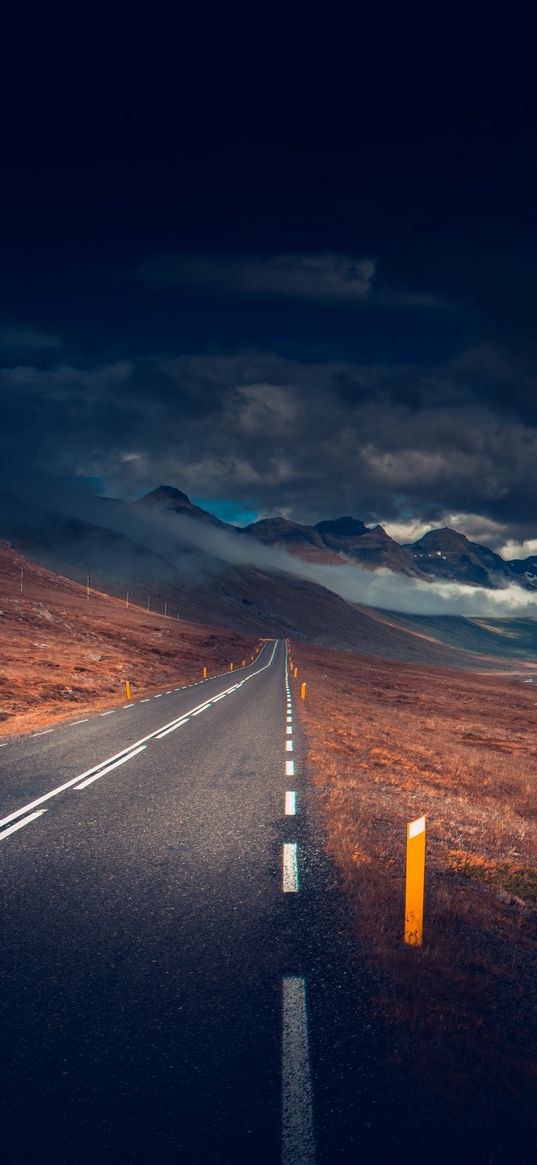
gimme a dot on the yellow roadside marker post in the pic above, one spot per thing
(296, 672)
(231, 667)
(303, 692)
(205, 673)
(128, 690)
(415, 881)
(244, 663)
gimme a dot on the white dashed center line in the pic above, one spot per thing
(290, 868)
(289, 746)
(290, 803)
(289, 768)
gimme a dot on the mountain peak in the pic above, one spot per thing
(166, 493)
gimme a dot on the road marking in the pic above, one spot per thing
(220, 697)
(73, 722)
(96, 768)
(290, 868)
(123, 706)
(169, 693)
(173, 728)
(157, 697)
(289, 730)
(289, 746)
(20, 824)
(289, 768)
(146, 701)
(290, 803)
(202, 709)
(298, 1141)
(4, 745)
(45, 733)
(102, 772)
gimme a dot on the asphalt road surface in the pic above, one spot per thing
(176, 980)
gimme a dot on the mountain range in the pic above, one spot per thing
(440, 554)
(209, 572)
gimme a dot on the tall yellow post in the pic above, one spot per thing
(128, 690)
(415, 881)
(231, 667)
(296, 672)
(205, 673)
(244, 663)
(303, 692)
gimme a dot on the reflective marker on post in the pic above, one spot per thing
(415, 881)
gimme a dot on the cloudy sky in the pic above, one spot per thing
(281, 287)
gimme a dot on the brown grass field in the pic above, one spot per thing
(60, 654)
(386, 743)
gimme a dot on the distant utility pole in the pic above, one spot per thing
(166, 609)
(87, 587)
(128, 593)
(149, 602)
(22, 578)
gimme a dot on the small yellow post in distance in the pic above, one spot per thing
(296, 672)
(231, 667)
(128, 690)
(415, 881)
(303, 691)
(205, 673)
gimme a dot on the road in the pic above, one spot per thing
(176, 976)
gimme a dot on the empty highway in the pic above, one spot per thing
(175, 973)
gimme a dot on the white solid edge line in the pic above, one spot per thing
(20, 824)
(290, 868)
(290, 803)
(298, 1138)
(289, 768)
(102, 772)
(173, 728)
(74, 780)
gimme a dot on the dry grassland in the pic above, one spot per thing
(386, 743)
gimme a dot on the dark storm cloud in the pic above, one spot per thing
(325, 277)
(311, 439)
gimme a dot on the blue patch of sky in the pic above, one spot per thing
(227, 510)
